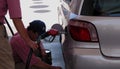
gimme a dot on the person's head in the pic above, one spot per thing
(36, 28)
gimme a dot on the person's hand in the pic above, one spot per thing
(43, 53)
(33, 45)
(22, 31)
(53, 32)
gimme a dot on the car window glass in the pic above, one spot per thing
(101, 7)
(68, 1)
(87, 8)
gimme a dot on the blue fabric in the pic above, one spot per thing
(37, 26)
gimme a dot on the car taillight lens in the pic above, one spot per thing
(82, 30)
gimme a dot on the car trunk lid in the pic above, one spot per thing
(108, 29)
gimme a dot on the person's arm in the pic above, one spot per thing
(16, 15)
(42, 49)
(21, 29)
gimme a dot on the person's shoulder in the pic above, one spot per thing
(16, 36)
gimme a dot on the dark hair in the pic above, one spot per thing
(37, 26)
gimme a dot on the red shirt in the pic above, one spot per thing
(13, 6)
(21, 50)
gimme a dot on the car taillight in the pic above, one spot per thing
(82, 30)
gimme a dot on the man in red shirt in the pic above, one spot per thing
(21, 49)
(13, 6)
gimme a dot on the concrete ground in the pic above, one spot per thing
(55, 48)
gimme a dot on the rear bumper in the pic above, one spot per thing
(76, 58)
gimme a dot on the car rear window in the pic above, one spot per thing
(101, 8)
(68, 1)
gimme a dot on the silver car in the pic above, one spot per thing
(91, 40)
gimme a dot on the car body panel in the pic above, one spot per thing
(108, 39)
(104, 54)
(82, 55)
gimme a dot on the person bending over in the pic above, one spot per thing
(21, 49)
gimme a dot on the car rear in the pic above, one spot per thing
(92, 42)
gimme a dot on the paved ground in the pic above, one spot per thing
(55, 48)
(44, 10)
